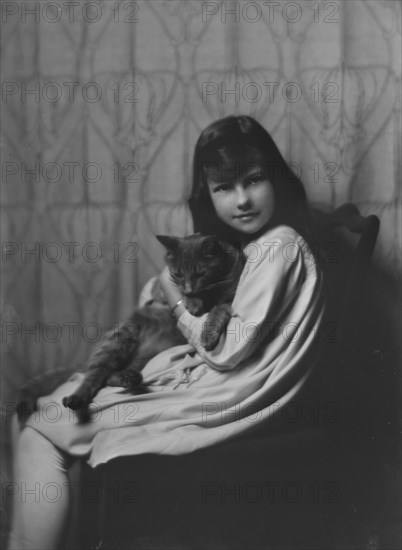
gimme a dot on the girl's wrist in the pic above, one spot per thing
(172, 293)
(178, 309)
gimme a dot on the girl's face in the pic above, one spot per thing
(246, 202)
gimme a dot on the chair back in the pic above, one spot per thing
(346, 244)
(347, 241)
(366, 227)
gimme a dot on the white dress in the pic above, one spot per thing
(200, 398)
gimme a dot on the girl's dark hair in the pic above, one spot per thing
(239, 141)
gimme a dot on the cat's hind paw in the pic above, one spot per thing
(77, 404)
(129, 379)
(73, 402)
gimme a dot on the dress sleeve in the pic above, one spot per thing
(270, 282)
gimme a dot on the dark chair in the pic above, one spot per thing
(357, 258)
(295, 486)
(345, 247)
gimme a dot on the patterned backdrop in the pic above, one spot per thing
(102, 103)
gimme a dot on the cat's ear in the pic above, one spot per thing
(170, 243)
(211, 237)
(212, 245)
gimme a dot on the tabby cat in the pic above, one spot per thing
(207, 271)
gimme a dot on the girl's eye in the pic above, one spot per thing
(255, 179)
(222, 187)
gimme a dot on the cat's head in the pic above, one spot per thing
(198, 262)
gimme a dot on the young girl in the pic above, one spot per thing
(244, 192)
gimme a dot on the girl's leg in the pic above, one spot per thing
(42, 498)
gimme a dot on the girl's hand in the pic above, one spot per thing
(166, 280)
(171, 290)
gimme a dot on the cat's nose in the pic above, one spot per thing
(187, 291)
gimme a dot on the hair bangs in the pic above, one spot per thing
(232, 161)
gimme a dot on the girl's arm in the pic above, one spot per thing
(171, 291)
(270, 306)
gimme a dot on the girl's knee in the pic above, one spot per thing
(30, 441)
(33, 445)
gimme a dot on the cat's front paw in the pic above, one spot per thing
(215, 325)
(194, 306)
(129, 379)
(210, 337)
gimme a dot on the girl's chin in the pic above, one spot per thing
(250, 227)
(246, 225)
(251, 233)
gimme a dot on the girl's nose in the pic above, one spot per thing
(242, 197)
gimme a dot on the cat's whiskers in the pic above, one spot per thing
(214, 285)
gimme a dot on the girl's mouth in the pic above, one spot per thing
(246, 217)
